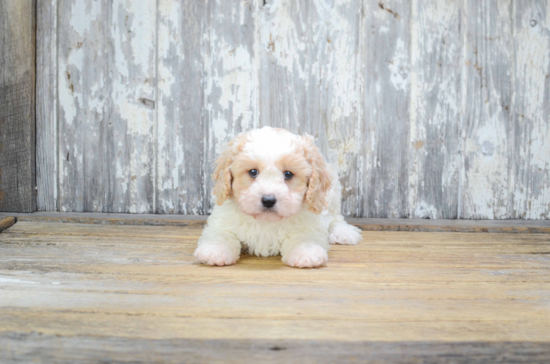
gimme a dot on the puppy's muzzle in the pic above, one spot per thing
(269, 201)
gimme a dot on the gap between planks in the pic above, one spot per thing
(194, 221)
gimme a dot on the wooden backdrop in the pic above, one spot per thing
(17, 105)
(432, 108)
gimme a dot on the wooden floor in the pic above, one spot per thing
(74, 292)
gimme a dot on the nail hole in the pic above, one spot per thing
(148, 103)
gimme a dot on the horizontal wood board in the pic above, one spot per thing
(198, 221)
(133, 293)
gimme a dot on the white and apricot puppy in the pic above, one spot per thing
(274, 195)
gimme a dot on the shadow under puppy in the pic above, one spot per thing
(275, 195)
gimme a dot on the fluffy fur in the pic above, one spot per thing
(303, 221)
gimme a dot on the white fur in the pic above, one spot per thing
(301, 237)
(343, 233)
(306, 255)
(219, 254)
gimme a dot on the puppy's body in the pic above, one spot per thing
(305, 217)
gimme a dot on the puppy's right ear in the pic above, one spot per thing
(320, 182)
(222, 173)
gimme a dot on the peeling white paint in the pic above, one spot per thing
(487, 176)
(533, 63)
(85, 13)
(302, 65)
(279, 32)
(531, 192)
(425, 211)
(399, 67)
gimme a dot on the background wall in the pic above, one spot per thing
(432, 108)
(17, 105)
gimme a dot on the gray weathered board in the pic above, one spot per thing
(431, 108)
(17, 105)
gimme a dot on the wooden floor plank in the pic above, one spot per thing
(82, 285)
(160, 327)
(93, 349)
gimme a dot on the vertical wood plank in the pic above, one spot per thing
(131, 137)
(107, 105)
(435, 144)
(285, 64)
(310, 78)
(17, 105)
(231, 77)
(84, 97)
(334, 93)
(486, 184)
(531, 147)
(386, 97)
(46, 105)
(181, 137)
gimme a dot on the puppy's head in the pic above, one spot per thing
(271, 172)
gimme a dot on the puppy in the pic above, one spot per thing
(274, 195)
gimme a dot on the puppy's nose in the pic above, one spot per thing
(269, 201)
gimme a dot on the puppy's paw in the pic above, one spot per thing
(306, 256)
(214, 254)
(346, 234)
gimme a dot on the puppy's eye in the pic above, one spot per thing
(253, 173)
(288, 175)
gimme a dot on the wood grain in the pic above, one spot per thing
(434, 142)
(131, 133)
(396, 293)
(181, 140)
(385, 146)
(531, 127)
(35, 347)
(46, 106)
(107, 102)
(17, 105)
(487, 184)
(84, 105)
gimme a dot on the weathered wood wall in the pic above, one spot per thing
(433, 109)
(17, 105)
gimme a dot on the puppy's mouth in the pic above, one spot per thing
(268, 215)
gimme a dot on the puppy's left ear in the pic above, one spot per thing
(222, 176)
(320, 181)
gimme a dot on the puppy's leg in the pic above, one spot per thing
(340, 232)
(306, 254)
(217, 248)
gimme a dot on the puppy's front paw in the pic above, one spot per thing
(214, 254)
(306, 256)
(343, 233)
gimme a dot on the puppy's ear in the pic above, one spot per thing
(222, 173)
(320, 181)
